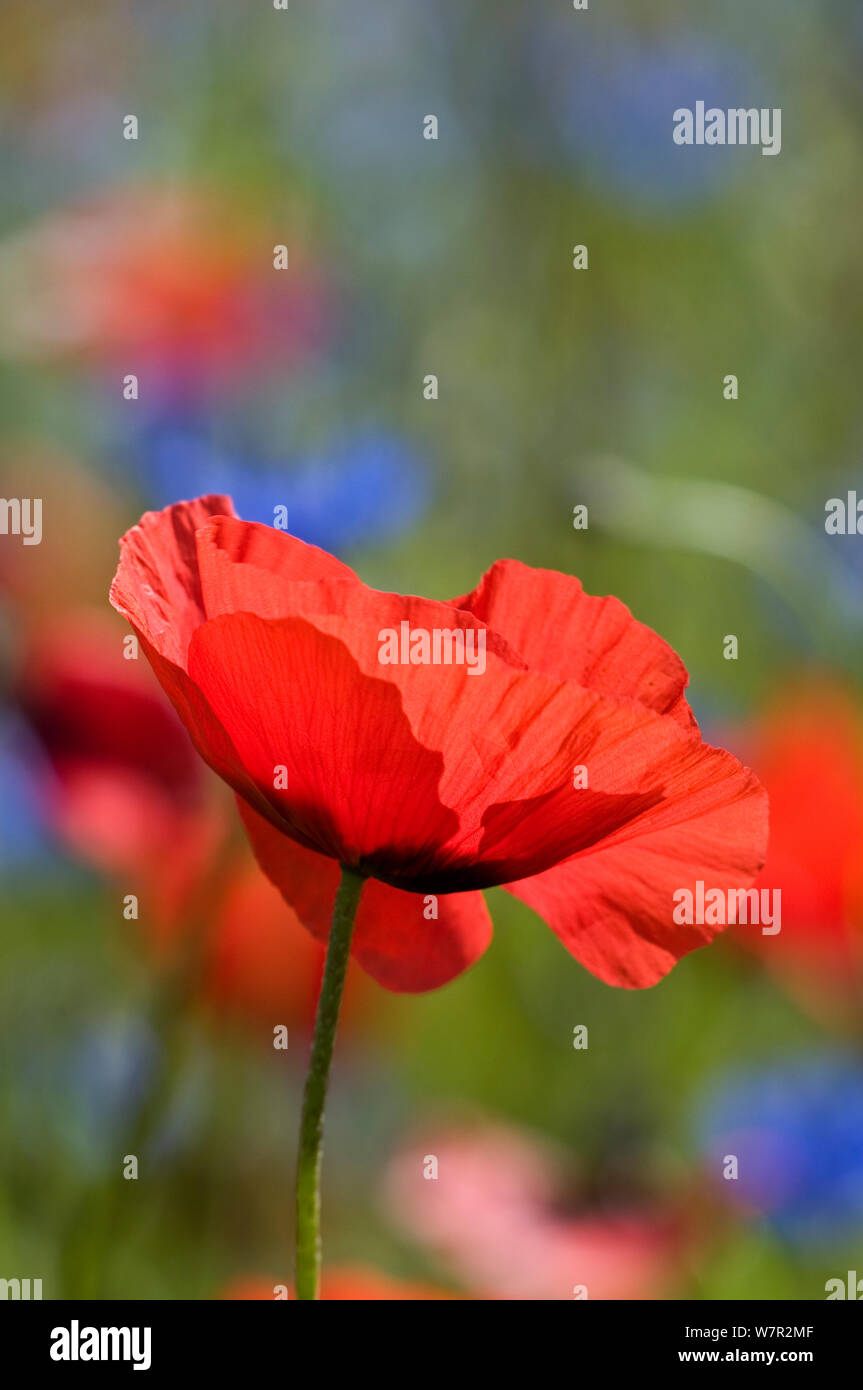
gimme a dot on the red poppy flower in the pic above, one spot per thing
(439, 780)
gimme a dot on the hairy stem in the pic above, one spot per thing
(312, 1121)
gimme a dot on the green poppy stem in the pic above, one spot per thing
(312, 1121)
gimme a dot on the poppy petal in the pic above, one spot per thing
(245, 566)
(593, 640)
(157, 586)
(613, 906)
(360, 787)
(394, 939)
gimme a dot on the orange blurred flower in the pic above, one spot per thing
(351, 1284)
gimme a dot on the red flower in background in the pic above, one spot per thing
(127, 794)
(433, 780)
(808, 750)
(261, 964)
(127, 790)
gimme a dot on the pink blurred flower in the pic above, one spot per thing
(493, 1217)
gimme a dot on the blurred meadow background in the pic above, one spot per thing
(307, 388)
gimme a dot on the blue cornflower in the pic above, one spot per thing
(611, 101)
(796, 1131)
(359, 488)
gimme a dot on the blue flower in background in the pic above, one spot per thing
(844, 541)
(81, 1091)
(797, 1133)
(611, 105)
(108, 1070)
(24, 837)
(361, 488)
(85, 1091)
